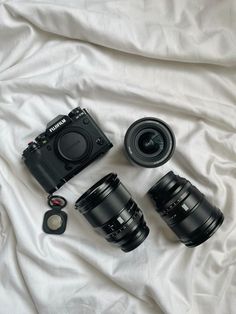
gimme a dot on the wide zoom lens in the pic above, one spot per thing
(185, 209)
(110, 209)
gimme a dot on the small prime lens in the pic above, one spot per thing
(149, 142)
(185, 209)
(110, 209)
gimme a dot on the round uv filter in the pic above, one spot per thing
(149, 142)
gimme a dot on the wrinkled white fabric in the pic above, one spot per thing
(122, 60)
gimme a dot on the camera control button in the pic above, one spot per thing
(99, 141)
(86, 121)
(32, 146)
(76, 113)
(41, 139)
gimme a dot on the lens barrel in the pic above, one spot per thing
(185, 209)
(110, 209)
(149, 142)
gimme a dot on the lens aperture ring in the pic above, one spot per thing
(183, 192)
(169, 211)
(182, 207)
(135, 232)
(128, 226)
(119, 222)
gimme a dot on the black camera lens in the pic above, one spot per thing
(185, 209)
(149, 142)
(110, 209)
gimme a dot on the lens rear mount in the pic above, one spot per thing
(149, 142)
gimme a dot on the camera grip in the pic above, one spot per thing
(43, 172)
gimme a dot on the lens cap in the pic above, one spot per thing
(149, 142)
(54, 221)
(57, 201)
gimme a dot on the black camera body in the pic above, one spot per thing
(69, 144)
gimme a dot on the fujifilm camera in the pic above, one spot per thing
(69, 144)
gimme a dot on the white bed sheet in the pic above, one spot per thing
(122, 60)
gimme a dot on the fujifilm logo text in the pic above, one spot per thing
(57, 125)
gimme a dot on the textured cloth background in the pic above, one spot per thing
(122, 60)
